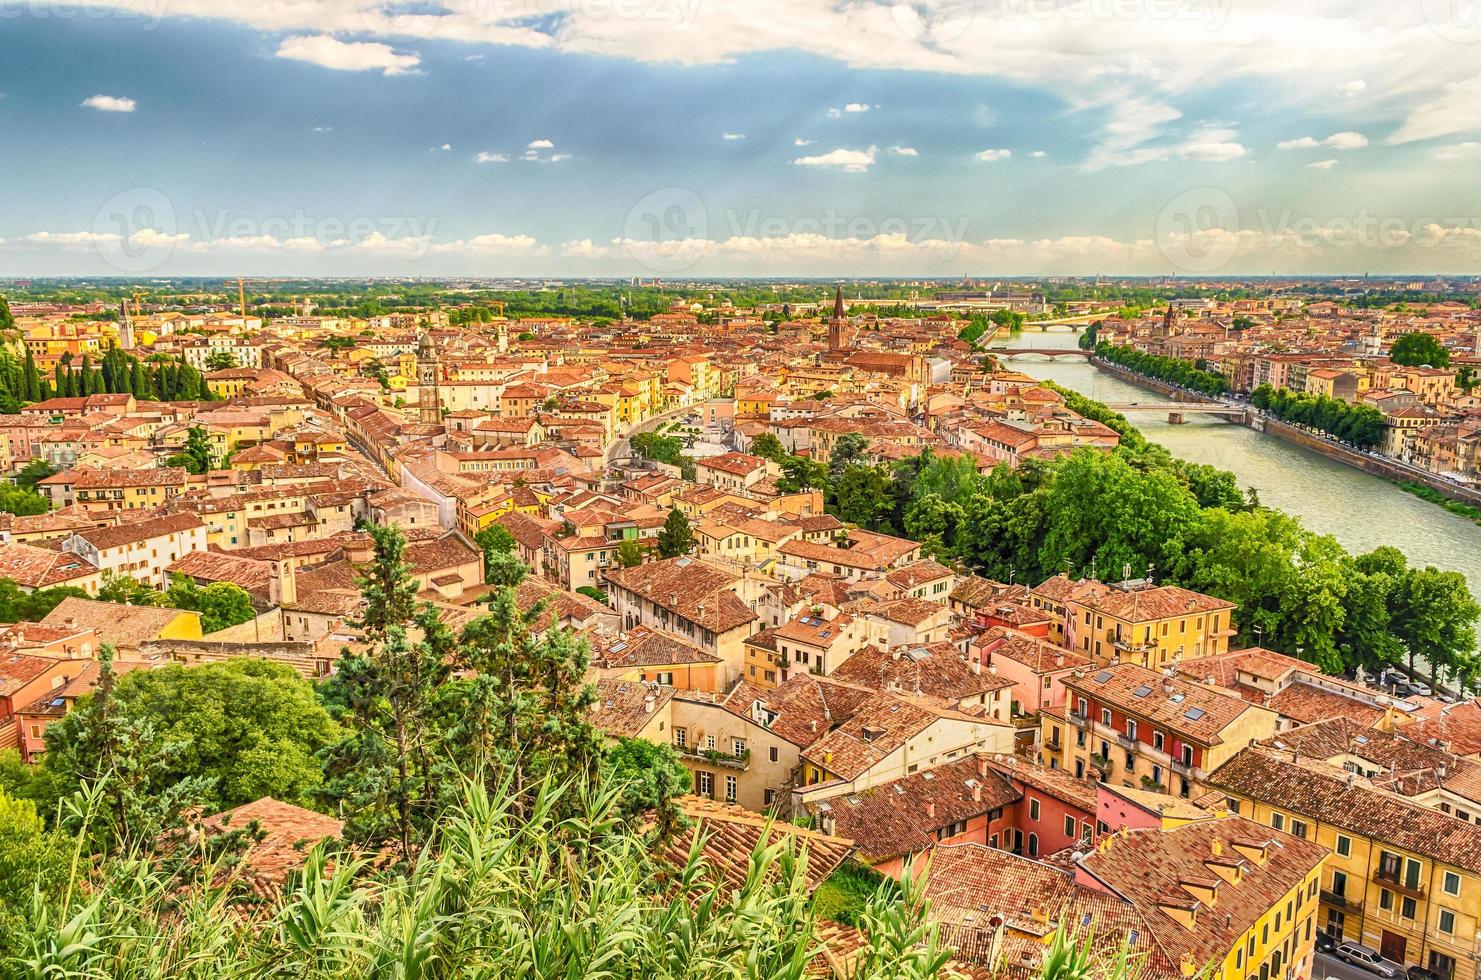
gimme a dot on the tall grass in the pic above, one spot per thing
(493, 896)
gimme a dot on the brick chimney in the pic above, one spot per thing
(931, 809)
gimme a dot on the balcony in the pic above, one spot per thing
(1127, 742)
(1181, 768)
(1077, 719)
(1341, 902)
(715, 757)
(1394, 882)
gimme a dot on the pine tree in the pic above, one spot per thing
(386, 775)
(32, 378)
(7, 322)
(675, 538)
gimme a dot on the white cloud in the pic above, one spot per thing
(74, 238)
(1353, 89)
(799, 141)
(1322, 165)
(1038, 154)
(539, 145)
(851, 161)
(1133, 121)
(993, 156)
(858, 107)
(1337, 141)
(732, 137)
(441, 149)
(110, 103)
(584, 249)
(1213, 144)
(327, 51)
(1469, 150)
(1456, 110)
(322, 129)
(905, 151)
(486, 157)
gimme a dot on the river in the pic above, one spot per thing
(1361, 511)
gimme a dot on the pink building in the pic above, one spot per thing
(1036, 666)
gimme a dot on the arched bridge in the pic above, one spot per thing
(1004, 353)
(1187, 408)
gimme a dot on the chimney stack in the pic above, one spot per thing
(931, 809)
(982, 765)
(977, 792)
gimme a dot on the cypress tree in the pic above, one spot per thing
(32, 378)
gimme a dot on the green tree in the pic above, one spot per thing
(1434, 616)
(495, 541)
(20, 501)
(521, 703)
(629, 554)
(16, 605)
(676, 537)
(861, 496)
(769, 447)
(221, 604)
(7, 321)
(123, 588)
(34, 862)
(221, 360)
(800, 473)
(651, 777)
(31, 378)
(196, 456)
(121, 767)
(1415, 349)
(386, 775)
(1465, 379)
(849, 449)
(250, 727)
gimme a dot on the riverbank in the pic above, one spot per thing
(1439, 491)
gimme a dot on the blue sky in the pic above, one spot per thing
(757, 137)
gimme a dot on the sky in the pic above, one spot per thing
(678, 138)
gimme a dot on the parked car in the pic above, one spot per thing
(1371, 960)
(1417, 972)
(1324, 942)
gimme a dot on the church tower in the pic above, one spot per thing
(429, 373)
(838, 325)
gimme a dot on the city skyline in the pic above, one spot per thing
(668, 137)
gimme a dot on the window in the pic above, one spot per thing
(1407, 907)
(710, 743)
(773, 753)
(1298, 828)
(1069, 826)
(1339, 883)
(1157, 740)
(767, 797)
(738, 747)
(1033, 845)
(1105, 717)
(1278, 821)
(681, 737)
(666, 678)
(730, 787)
(1450, 885)
(1130, 728)
(1033, 809)
(1385, 899)
(706, 784)
(1344, 846)
(1447, 921)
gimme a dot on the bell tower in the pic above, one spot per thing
(429, 373)
(838, 324)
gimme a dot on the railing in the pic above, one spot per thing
(1077, 719)
(1181, 768)
(715, 757)
(1127, 742)
(1334, 899)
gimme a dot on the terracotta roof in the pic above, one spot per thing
(937, 670)
(134, 532)
(907, 815)
(643, 647)
(730, 834)
(1173, 703)
(1346, 801)
(1150, 605)
(695, 590)
(39, 568)
(624, 708)
(121, 625)
(1160, 868)
(289, 831)
(1456, 726)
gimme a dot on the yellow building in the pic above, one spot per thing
(1153, 627)
(1402, 878)
(1225, 898)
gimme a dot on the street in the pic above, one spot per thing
(1330, 966)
